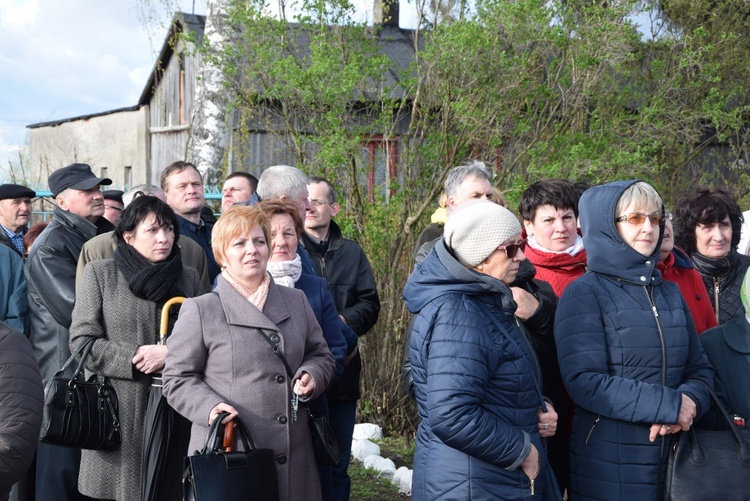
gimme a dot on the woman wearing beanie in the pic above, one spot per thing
(628, 350)
(477, 380)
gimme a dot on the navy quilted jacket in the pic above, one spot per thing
(476, 388)
(628, 349)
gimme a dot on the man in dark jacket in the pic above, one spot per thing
(183, 185)
(344, 265)
(20, 407)
(50, 276)
(15, 212)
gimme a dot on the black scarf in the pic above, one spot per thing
(151, 281)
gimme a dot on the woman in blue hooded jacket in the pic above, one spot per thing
(476, 377)
(628, 350)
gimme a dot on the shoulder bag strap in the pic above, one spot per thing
(84, 350)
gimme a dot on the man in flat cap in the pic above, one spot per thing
(15, 212)
(50, 276)
(113, 205)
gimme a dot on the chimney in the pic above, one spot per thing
(386, 12)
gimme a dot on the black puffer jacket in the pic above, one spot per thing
(20, 406)
(51, 280)
(723, 278)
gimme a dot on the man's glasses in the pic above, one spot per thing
(512, 249)
(318, 203)
(656, 218)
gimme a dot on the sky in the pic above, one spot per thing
(64, 59)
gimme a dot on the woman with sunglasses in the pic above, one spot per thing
(476, 377)
(628, 350)
(707, 226)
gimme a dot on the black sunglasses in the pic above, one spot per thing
(512, 249)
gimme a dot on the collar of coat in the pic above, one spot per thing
(239, 311)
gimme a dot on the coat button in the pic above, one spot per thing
(275, 338)
(279, 379)
(281, 419)
(643, 279)
(648, 263)
(281, 459)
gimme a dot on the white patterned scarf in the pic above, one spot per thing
(285, 273)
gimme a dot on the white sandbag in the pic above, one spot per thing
(361, 448)
(385, 467)
(405, 485)
(367, 431)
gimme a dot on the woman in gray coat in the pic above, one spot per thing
(119, 304)
(219, 358)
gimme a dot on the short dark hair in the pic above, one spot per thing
(175, 168)
(139, 209)
(705, 206)
(252, 180)
(331, 189)
(559, 193)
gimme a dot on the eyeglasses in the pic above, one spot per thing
(317, 203)
(639, 218)
(512, 250)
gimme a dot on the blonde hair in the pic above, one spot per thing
(644, 196)
(238, 220)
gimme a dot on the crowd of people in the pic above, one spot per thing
(647, 309)
(554, 354)
(101, 272)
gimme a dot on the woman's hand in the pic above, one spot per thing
(547, 422)
(304, 386)
(530, 465)
(149, 358)
(688, 411)
(527, 303)
(222, 407)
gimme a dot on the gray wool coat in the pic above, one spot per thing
(107, 310)
(217, 354)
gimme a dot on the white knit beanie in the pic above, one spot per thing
(476, 228)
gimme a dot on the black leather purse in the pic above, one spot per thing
(212, 474)
(705, 464)
(80, 413)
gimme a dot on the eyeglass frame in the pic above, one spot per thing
(317, 203)
(511, 250)
(660, 218)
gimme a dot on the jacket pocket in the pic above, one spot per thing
(591, 430)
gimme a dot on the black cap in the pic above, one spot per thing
(76, 176)
(15, 191)
(115, 195)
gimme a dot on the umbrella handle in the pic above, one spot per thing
(164, 326)
(228, 436)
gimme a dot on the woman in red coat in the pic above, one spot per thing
(675, 266)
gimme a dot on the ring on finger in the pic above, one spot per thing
(546, 426)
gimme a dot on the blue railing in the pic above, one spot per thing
(46, 214)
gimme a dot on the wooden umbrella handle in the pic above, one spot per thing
(228, 436)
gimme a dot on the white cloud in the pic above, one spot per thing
(16, 15)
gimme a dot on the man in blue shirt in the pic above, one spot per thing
(15, 212)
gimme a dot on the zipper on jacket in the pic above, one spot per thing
(588, 436)
(323, 267)
(650, 297)
(717, 311)
(531, 348)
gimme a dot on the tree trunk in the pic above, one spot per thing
(208, 133)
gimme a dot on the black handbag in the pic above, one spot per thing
(80, 413)
(211, 474)
(706, 464)
(325, 444)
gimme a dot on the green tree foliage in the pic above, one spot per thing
(535, 88)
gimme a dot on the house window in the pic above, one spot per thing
(128, 180)
(379, 157)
